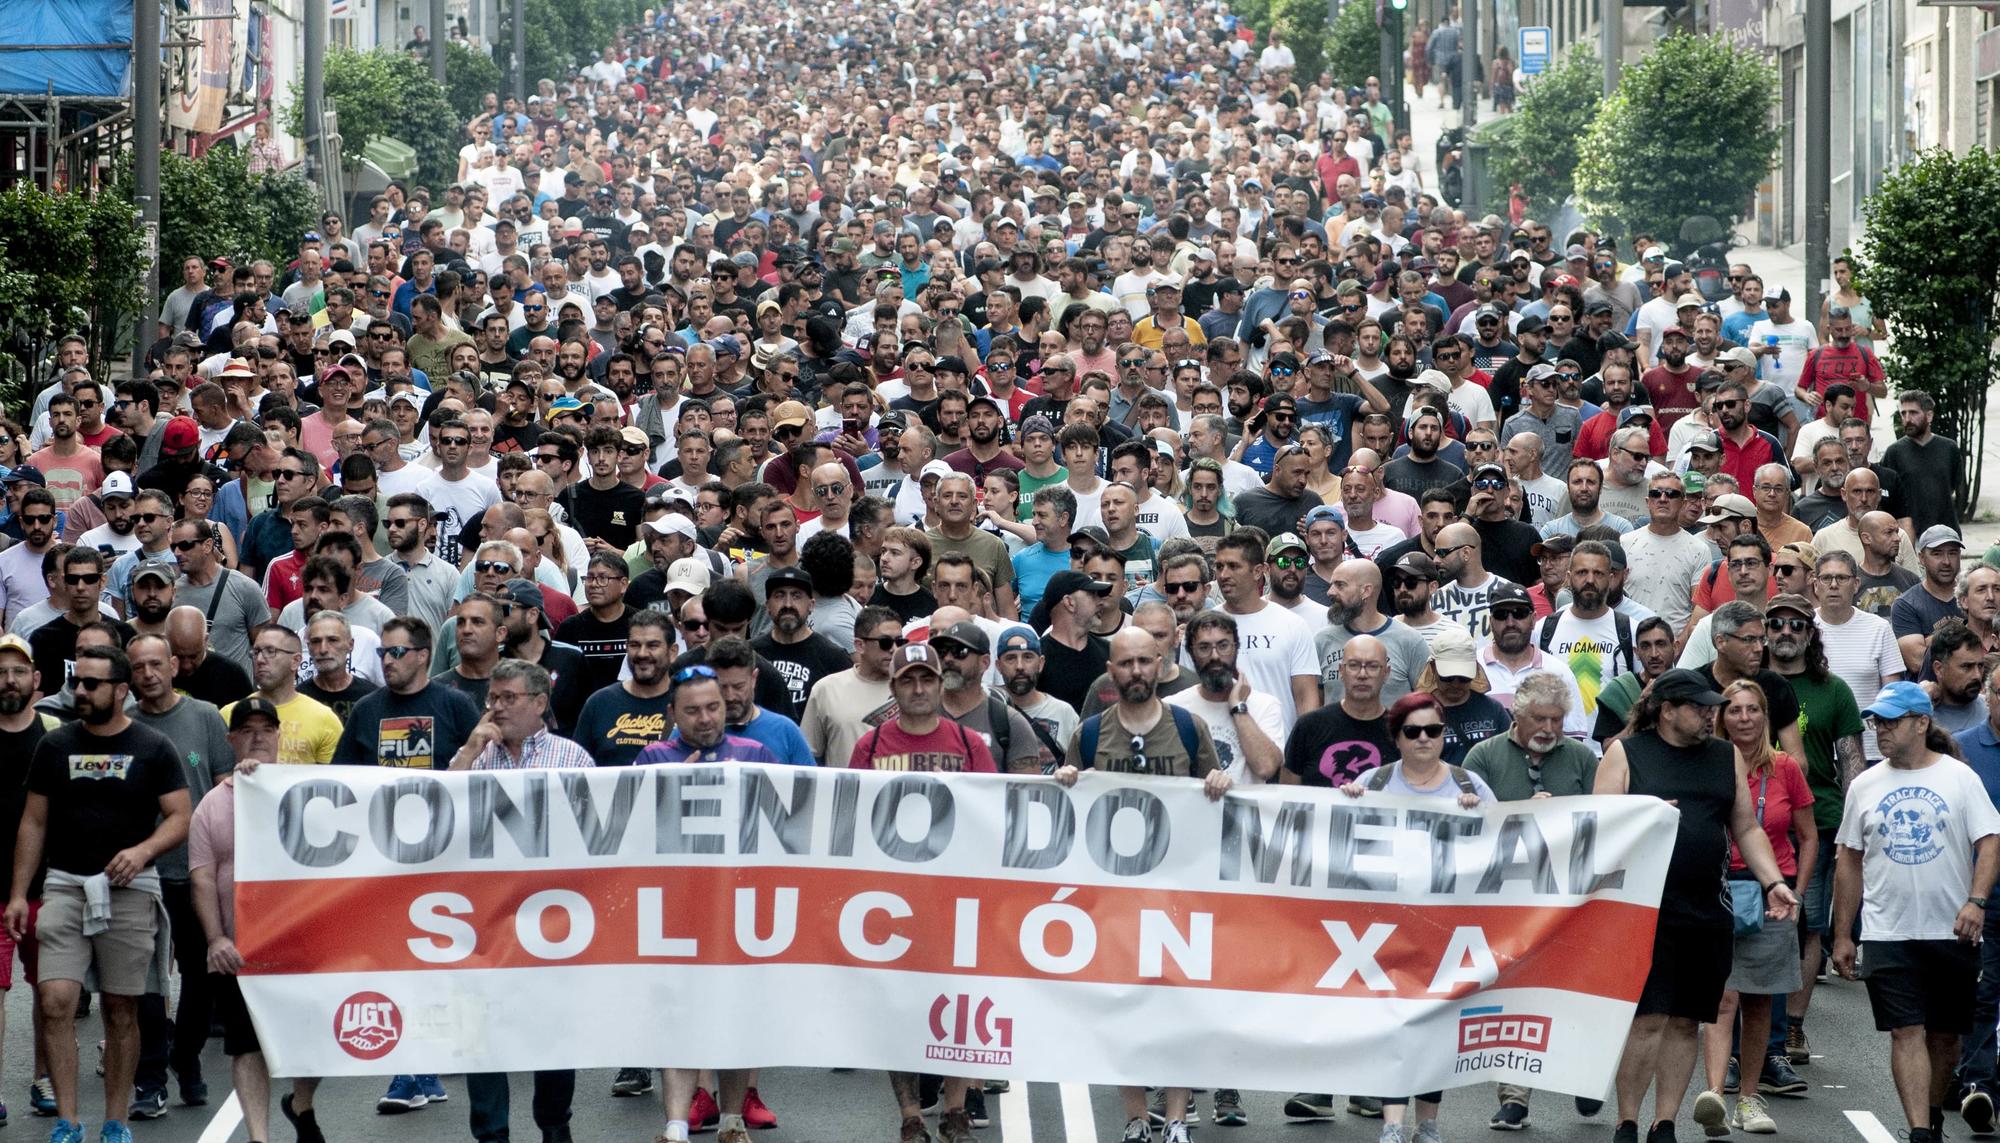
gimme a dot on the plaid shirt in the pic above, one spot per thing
(539, 751)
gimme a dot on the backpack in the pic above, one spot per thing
(1379, 780)
(1086, 742)
(1620, 625)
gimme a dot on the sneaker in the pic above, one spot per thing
(433, 1088)
(1751, 1116)
(1780, 1079)
(1627, 1131)
(1137, 1130)
(403, 1095)
(997, 1087)
(1711, 1112)
(1307, 1106)
(194, 1091)
(1510, 1117)
(632, 1081)
(42, 1096)
(1427, 1132)
(66, 1132)
(1391, 1133)
(975, 1107)
(306, 1122)
(1229, 1108)
(1176, 1132)
(1365, 1106)
(755, 1113)
(733, 1134)
(955, 1127)
(557, 1134)
(929, 1090)
(114, 1132)
(1588, 1107)
(1924, 1135)
(3, 1115)
(149, 1103)
(703, 1114)
(1156, 1107)
(671, 1136)
(1663, 1131)
(914, 1131)
(1797, 1048)
(1977, 1111)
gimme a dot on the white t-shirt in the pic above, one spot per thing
(1794, 340)
(1272, 648)
(1588, 647)
(109, 542)
(1264, 711)
(1915, 830)
(1468, 607)
(1548, 498)
(1371, 542)
(1471, 402)
(1162, 519)
(1662, 570)
(1860, 652)
(462, 500)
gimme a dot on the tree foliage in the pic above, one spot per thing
(68, 263)
(1931, 267)
(384, 93)
(1353, 45)
(564, 34)
(470, 76)
(1303, 24)
(214, 206)
(1688, 132)
(1536, 148)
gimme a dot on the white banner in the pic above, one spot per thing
(1124, 931)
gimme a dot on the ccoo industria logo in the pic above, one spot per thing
(965, 1031)
(1490, 1038)
(367, 1025)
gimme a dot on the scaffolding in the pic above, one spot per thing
(61, 142)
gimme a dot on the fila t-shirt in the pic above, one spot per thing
(418, 732)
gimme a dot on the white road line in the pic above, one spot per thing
(1079, 1121)
(224, 1124)
(1870, 1127)
(1016, 1124)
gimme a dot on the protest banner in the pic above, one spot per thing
(1127, 930)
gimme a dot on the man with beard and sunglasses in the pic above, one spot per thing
(846, 705)
(965, 651)
(800, 655)
(1511, 656)
(105, 797)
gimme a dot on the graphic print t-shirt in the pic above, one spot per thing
(415, 732)
(1915, 830)
(948, 748)
(1589, 648)
(1328, 747)
(104, 792)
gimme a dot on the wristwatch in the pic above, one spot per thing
(1240, 708)
(1975, 901)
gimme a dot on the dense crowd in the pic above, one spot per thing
(1027, 391)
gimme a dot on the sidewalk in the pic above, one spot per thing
(1778, 265)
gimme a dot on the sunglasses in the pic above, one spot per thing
(632, 450)
(1413, 731)
(83, 578)
(1795, 626)
(698, 671)
(188, 545)
(1665, 494)
(1513, 614)
(1290, 563)
(493, 567)
(1489, 485)
(89, 685)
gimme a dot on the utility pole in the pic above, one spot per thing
(146, 161)
(521, 51)
(1611, 42)
(313, 90)
(1468, 66)
(439, 39)
(1819, 155)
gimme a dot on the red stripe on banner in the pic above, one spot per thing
(901, 922)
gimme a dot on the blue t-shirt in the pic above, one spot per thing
(780, 736)
(1736, 327)
(1336, 413)
(1033, 565)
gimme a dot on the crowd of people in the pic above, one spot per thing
(1019, 393)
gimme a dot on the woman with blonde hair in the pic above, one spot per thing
(1766, 960)
(1318, 442)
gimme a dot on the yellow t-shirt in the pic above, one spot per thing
(307, 731)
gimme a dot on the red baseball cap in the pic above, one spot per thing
(182, 433)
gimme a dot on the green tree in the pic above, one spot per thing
(1303, 24)
(1689, 132)
(470, 76)
(387, 94)
(1353, 49)
(1930, 268)
(214, 206)
(68, 264)
(563, 36)
(1537, 146)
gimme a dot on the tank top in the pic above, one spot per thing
(1702, 781)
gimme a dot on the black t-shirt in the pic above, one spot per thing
(1273, 513)
(614, 726)
(916, 605)
(474, 689)
(1507, 547)
(54, 645)
(801, 666)
(217, 681)
(1329, 747)
(17, 753)
(1777, 693)
(1412, 477)
(602, 644)
(569, 684)
(341, 703)
(1471, 722)
(104, 792)
(1067, 673)
(612, 515)
(420, 731)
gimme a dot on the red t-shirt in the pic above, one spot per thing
(1784, 788)
(949, 748)
(1853, 366)
(1593, 440)
(1672, 393)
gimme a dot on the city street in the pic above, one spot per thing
(1851, 1098)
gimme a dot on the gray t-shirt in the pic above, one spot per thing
(201, 741)
(1024, 750)
(231, 617)
(1408, 652)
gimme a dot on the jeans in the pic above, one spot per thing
(177, 1044)
(488, 1093)
(1976, 1056)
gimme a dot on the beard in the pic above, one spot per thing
(1218, 676)
(1589, 597)
(1137, 691)
(93, 713)
(1021, 686)
(1401, 371)
(12, 703)
(787, 622)
(1413, 606)
(1543, 743)
(1513, 642)
(1340, 614)
(954, 679)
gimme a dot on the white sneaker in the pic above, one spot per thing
(1427, 1132)
(1712, 1114)
(1752, 1117)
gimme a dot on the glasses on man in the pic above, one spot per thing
(188, 545)
(80, 579)
(1794, 625)
(1665, 493)
(494, 567)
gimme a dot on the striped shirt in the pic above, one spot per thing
(539, 751)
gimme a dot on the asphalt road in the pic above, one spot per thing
(1851, 1098)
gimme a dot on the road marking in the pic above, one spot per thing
(1079, 1120)
(224, 1124)
(1016, 1125)
(1870, 1127)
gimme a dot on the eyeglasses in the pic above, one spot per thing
(1665, 493)
(493, 567)
(1795, 626)
(270, 652)
(1752, 639)
(189, 545)
(1835, 579)
(1412, 731)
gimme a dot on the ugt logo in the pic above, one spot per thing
(368, 1025)
(964, 1030)
(1493, 1029)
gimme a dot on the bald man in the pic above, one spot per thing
(1332, 745)
(833, 488)
(1465, 587)
(199, 673)
(1547, 496)
(1353, 612)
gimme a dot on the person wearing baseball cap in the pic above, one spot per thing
(1072, 654)
(918, 737)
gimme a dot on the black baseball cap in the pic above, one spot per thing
(1681, 685)
(249, 708)
(1064, 582)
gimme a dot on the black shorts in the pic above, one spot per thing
(1921, 983)
(1690, 970)
(239, 1036)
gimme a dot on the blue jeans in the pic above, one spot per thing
(488, 1093)
(1976, 1055)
